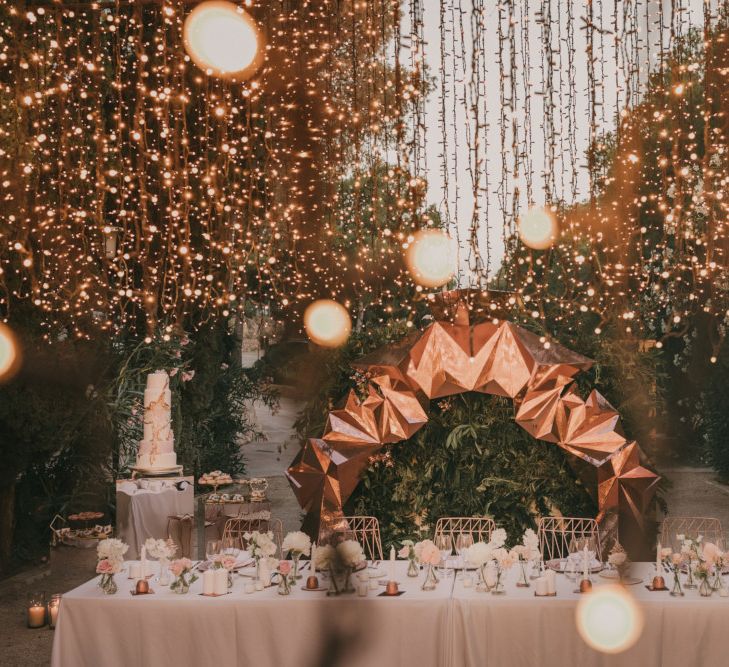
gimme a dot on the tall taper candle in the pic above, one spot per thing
(391, 572)
(659, 569)
(313, 558)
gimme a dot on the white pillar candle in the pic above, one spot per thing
(135, 571)
(585, 563)
(221, 581)
(541, 586)
(362, 589)
(391, 570)
(249, 587)
(551, 577)
(259, 585)
(659, 569)
(208, 582)
(264, 574)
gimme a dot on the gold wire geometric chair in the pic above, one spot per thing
(557, 535)
(478, 527)
(690, 526)
(237, 527)
(363, 529)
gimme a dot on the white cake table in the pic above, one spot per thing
(143, 512)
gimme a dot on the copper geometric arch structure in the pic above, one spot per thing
(495, 357)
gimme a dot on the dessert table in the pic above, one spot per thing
(452, 625)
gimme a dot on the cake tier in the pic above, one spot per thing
(160, 398)
(158, 380)
(157, 429)
(157, 446)
(160, 461)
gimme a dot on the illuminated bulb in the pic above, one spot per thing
(537, 228)
(9, 353)
(222, 39)
(327, 323)
(431, 257)
(608, 619)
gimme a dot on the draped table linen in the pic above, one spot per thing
(305, 629)
(451, 626)
(519, 630)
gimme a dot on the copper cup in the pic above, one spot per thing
(142, 587)
(658, 583)
(585, 586)
(312, 583)
(391, 588)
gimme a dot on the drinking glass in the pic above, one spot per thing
(212, 548)
(463, 541)
(230, 546)
(444, 545)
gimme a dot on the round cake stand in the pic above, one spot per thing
(156, 472)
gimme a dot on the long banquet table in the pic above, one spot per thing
(452, 625)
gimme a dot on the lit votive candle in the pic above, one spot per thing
(36, 612)
(259, 585)
(249, 587)
(53, 607)
(362, 589)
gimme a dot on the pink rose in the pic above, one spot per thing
(187, 375)
(173, 372)
(284, 567)
(104, 566)
(404, 552)
(176, 568)
(711, 553)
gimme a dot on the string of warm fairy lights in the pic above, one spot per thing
(141, 187)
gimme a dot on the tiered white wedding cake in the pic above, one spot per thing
(157, 450)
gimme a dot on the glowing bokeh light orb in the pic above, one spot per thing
(9, 353)
(538, 228)
(327, 323)
(431, 258)
(223, 40)
(609, 619)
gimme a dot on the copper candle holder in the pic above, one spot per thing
(391, 588)
(585, 586)
(312, 582)
(658, 583)
(142, 587)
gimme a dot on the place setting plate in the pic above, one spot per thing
(559, 565)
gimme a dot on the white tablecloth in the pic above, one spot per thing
(144, 513)
(452, 625)
(519, 630)
(304, 629)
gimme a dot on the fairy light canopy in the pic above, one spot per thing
(145, 181)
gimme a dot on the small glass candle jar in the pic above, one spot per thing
(36, 614)
(54, 606)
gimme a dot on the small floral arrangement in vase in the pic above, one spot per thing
(284, 577)
(618, 559)
(110, 553)
(673, 562)
(182, 575)
(505, 560)
(261, 545)
(690, 549)
(708, 564)
(720, 560)
(163, 551)
(429, 555)
(297, 544)
(408, 551)
(341, 562)
(481, 555)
